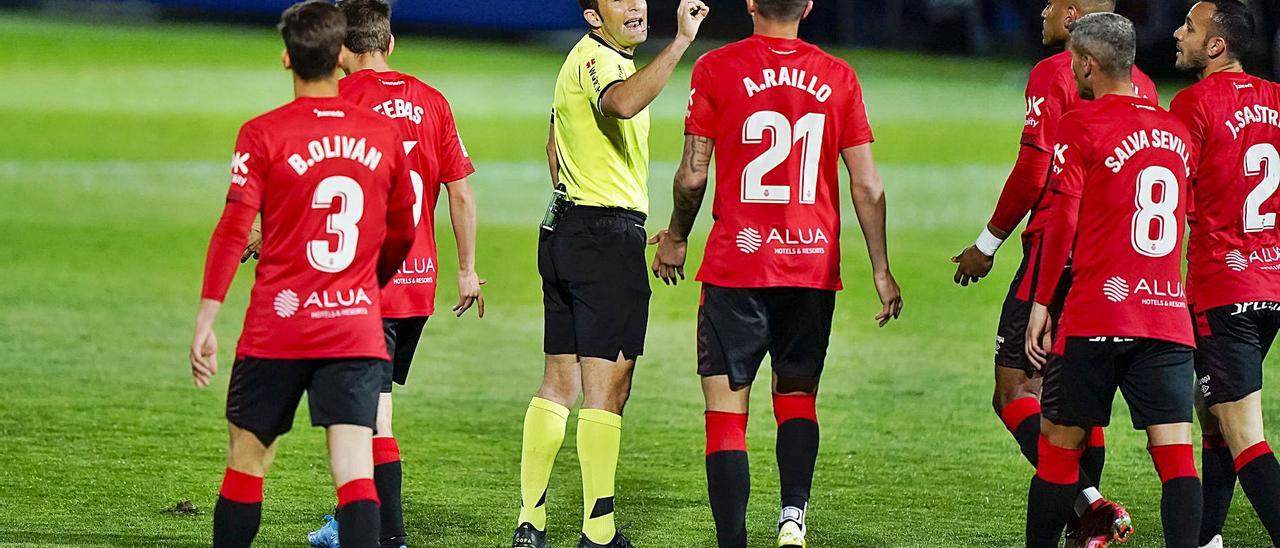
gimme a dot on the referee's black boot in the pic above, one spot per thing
(619, 541)
(526, 536)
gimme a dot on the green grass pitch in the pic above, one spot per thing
(113, 160)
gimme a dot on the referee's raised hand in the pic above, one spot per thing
(690, 16)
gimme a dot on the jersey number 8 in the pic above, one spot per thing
(1159, 213)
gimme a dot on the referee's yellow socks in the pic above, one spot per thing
(544, 425)
(599, 434)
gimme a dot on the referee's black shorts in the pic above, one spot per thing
(595, 283)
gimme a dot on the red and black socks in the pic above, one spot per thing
(1219, 486)
(358, 513)
(1022, 418)
(387, 478)
(1180, 500)
(728, 476)
(238, 513)
(1053, 488)
(797, 448)
(1094, 458)
(1259, 474)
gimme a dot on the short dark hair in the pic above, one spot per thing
(781, 10)
(368, 25)
(589, 5)
(1109, 38)
(313, 32)
(1233, 22)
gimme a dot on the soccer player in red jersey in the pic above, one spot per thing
(779, 114)
(1234, 254)
(1051, 93)
(1117, 201)
(436, 158)
(331, 183)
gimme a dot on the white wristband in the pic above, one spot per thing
(988, 243)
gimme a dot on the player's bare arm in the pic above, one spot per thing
(689, 189)
(204, 346)
(553, 158)
(462, 214)
(631, 96)
(869, 203)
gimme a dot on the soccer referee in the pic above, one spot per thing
(592, 258)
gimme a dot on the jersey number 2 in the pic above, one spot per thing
(1261, 159)
(341, 223)
(808, 131)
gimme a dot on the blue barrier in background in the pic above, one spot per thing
(498, 14)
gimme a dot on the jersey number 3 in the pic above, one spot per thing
(808, 131)
(341, 223)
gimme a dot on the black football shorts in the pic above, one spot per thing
(402, 335)
(1154, 376)
(1231, 342)
(264, 394)
(738, 326)
(595, 283)
(1015, 314)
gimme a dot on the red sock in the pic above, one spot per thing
(1018, 411)
(796, 446)
(385, 450)
(795, 406)
(357, 490)
(728, 475)
(241, 487)
(1058, 465)
(726, 431)
(1181, 498)
(1253, 452)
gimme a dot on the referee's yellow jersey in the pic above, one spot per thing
(603, 161)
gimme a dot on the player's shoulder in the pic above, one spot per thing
(1052, 67)
(1192, 94)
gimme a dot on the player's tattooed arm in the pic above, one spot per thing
(462, 213)
(869, 204)
(689, 189)
(553, 156)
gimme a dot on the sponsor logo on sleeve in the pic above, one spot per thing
(240, 168)
(1033, 110)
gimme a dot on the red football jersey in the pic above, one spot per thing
(1117, 208)
(1051, 93)
(436, 156)
(1234, 251)
(325, 175)
(780, 111)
